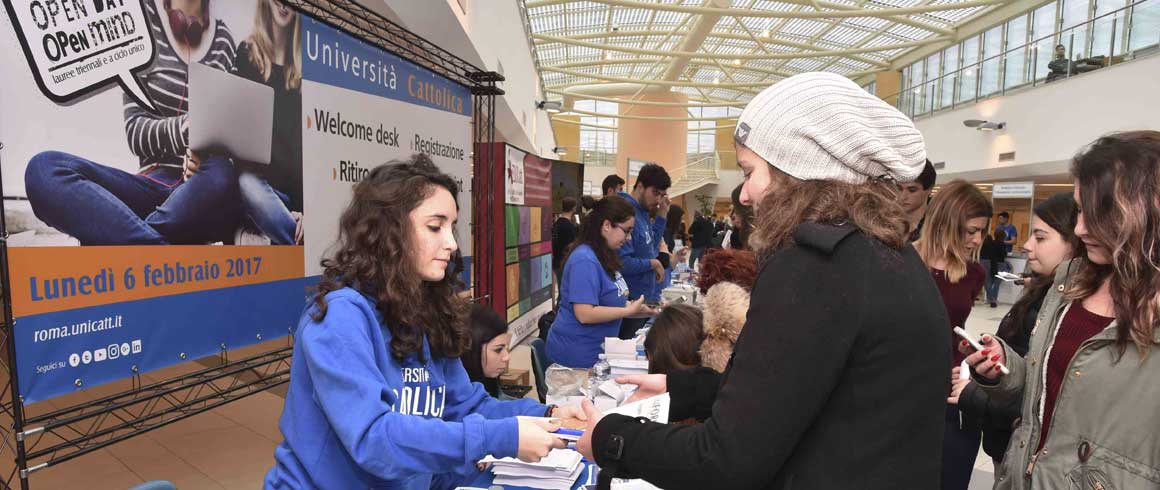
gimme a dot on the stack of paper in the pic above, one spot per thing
(622, 367)
(615, 348)
(557, 471)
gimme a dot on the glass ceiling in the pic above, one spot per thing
(581, 43)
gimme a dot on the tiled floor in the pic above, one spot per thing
(232, 446)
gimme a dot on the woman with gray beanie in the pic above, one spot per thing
(838, 379)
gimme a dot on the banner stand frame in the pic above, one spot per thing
(90, 426)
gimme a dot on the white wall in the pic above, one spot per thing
(491, 34)
(1046, 125)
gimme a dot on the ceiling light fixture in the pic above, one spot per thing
(765, 33)
(552, 106)
(984, 125)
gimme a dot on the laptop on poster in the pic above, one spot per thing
(229, 115)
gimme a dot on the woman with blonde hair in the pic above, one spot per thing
(1091, 403)
(949, 245)
(272, 55)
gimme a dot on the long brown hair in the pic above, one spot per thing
(1119, 186)
(262, 54)
(613, 209)
(871, 206)
(674, 340)
(1059, 213)
(944, 230)
(372, 255)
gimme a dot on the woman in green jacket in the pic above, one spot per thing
(1091, 400)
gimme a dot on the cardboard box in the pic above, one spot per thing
(516, 377)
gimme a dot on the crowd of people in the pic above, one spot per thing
(823, 354)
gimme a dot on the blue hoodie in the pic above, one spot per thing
(356, 417)
(636, 254)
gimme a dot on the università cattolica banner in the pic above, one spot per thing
(171, 186)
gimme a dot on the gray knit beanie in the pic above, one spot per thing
(822, 126)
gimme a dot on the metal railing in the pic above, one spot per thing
(1108, 39)
(700, 171)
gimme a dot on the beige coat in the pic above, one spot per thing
(1105, 431)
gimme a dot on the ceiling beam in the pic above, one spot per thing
(566, 93)
(719, 35)
(763, 56)
(837, 10)
(665, 83)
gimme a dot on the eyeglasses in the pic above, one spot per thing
(627, 231)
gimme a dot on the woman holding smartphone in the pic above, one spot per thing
(593, 294)
(1052, 242)
(1090, 415)
(949, 245)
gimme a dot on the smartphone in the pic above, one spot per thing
(963, 333)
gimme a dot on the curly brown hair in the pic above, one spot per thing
(375, 232)
(728, 265)
(1119, 181)
(872, 207)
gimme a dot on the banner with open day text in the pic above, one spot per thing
(139, 238)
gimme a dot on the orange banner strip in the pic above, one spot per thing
(48, 279)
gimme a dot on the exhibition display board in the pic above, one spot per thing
(170, 188)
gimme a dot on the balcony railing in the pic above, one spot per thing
(1115, 37)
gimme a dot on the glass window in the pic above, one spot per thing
(1102, 28)
(702, 136)
(1043, 27)
(968, 81)
(904, 98)
(989, 74)
(947, 84)
(597, 134)
(1015, 71)
(931, 85)
(1074, 35)
(1145, 25)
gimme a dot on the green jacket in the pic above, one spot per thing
(1105, 431)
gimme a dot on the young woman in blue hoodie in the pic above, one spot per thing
(378, 396)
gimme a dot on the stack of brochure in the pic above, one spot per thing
(559, 470)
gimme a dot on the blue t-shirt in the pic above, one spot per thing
(571, 343)
(1012, 235)
(357, 417)
(636, 255)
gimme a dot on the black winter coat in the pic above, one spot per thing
(837, 381)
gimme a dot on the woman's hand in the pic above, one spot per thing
(191, 164)
(985, 362)
(584, 445)
(658, 269)
(648, 385)
(298, 228)
(637, 308)
(572, 412)
(957, 385)
(536, 439)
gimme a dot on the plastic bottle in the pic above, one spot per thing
(601, 372)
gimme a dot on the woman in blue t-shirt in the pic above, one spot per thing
(378, 396)
(593, 295)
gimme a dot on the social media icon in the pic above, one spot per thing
(137, 346)
(74, 360)
(125, 349)
(114, 351)
(87, 357)
(100, 355)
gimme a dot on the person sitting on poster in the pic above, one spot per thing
(272, 194)
(378, 396)
(177, 196)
